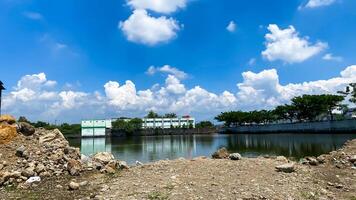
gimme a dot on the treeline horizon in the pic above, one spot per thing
(305, 108)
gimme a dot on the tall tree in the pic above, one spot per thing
(170, 115)
(152, 114)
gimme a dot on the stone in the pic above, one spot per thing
(7, 119)
(352, 159)
(220, 154)
(122, 165)
(74, 167)
(287, 168)
(138, 163)
(26, 128)
(321, 159)
(282, 159)
(7, 133)
(83, 183)
(73, 185)
(235, 156)
(33, 179)
(312, 161)
(103, 157)
(20, 152)
(28, 172)
(40, 168)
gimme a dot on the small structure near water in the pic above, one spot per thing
(96, 128)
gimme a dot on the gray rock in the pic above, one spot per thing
(26, 128)
(83, 183)
(138, 163)
(282, 159)
(73, 185)
(28, 172)
(287, 168)
(235, 156)
(312, 161)
(21, 151)
(40, 168)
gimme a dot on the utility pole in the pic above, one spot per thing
(1, 89)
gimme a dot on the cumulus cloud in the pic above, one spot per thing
(142, 28)
(168, 70)
(37, 97)
(331, 57)
(319, 3)
(231, 27)
(288, 46)
(160, 6)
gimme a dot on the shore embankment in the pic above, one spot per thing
(61, 174)
(342, 126)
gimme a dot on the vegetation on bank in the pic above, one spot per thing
(304, 108)
(65, 128)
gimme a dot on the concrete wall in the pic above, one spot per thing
(307, 127)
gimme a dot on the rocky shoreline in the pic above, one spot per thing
(40, 164)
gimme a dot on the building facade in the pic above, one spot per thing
(168, 122)
(96, 127)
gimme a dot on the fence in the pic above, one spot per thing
(345, 126)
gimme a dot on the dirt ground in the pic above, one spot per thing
(202, 178)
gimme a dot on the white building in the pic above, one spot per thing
(168, 122)
(95, 127)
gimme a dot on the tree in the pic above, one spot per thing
(129, 126)
(152, 114)
(170, 115)
(350, 90)
(285, 112)
(204, 124)
(331, 102)
(23, 119)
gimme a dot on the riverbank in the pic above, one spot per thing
(331, 176)
(342, 126)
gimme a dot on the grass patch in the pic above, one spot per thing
(157, 196)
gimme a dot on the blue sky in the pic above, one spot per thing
(260, 61)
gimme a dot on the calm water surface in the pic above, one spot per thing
(152, 148)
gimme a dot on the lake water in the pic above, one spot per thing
(153, 148)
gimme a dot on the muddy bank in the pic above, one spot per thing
(330, 176)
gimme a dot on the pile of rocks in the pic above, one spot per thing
(29, 154)
(222, 153)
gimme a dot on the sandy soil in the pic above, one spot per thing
(203, 178)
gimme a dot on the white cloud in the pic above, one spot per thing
(331, 57)
(33, 15)
(319, 3)
(168, 70)
(35, 97)
(286, 45)
(231, 27)
(142, 28)
(160, 6)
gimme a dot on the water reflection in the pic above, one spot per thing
(152, 148)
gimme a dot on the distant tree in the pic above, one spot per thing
(285, 112)
(331, 102)
(350, 91)
(152, 114)
(23, 119)
(129, 126)
(170, 115)
(204, 124)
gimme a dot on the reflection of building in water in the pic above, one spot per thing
(170, 146)
(90, 146)
(95, 128)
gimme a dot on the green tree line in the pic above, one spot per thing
(301, 108)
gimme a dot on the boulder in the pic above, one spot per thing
(287, 168)
(220, 154)
(40, 168)
(235, 156)
(122, 165)
(28, 172)
(7, 133)
(74, 167)
(26, 128)
(321, 159)
(7, 120)
(103, 158)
